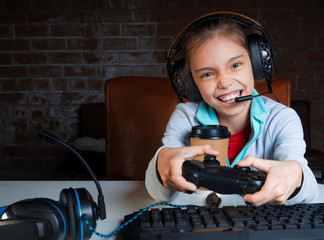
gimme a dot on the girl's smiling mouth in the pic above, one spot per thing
(230, 97)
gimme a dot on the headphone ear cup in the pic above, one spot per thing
(184, 88)
(174, 72)
(191, 90)
(78, 203)
(260, 56)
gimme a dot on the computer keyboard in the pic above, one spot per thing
(302, 221)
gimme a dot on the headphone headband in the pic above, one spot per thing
(178, 39)
(182, 32)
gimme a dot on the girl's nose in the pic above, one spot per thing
(224, 82)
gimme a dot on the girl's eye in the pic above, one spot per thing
(206, 75)
(236, 65)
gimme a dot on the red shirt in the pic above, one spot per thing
(237, 142)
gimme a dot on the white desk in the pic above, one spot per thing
(121, 197)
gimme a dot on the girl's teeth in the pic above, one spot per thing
(230, 98)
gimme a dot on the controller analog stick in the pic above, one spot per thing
(211, 161)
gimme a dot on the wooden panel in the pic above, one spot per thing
(280, 86)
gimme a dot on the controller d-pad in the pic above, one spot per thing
(248, 178)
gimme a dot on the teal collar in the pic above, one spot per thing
(206, 114)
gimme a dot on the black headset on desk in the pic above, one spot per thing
(73, 217)
(43, 218)
(259, 44)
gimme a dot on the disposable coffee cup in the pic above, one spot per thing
(217, 136)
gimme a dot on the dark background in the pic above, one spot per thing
(56, 55)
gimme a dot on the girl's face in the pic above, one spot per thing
(222, 71)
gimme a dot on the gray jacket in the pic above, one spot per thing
(277, 134)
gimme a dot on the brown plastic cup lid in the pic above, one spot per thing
(210, 132)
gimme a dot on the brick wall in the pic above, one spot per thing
(56, 55)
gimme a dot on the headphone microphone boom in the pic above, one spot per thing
(52, 139)
(245, 98)
(250, 97)
(46, 219)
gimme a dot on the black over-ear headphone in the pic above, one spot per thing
(260, 47)
(43, 218)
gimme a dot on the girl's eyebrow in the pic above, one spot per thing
(234, 58)
(204, 69)
(228, 61)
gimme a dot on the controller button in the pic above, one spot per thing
(262, 175)
(245, 168)
(256, 177)
(210, 157)
(211, 161)
(249, 178)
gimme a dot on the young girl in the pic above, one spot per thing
(269, 134)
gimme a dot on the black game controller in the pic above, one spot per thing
(221, 179)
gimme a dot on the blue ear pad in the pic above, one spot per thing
(87, 208)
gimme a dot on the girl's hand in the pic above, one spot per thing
(283, 177)
(169, 165)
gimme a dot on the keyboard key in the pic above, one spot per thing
(291, 226)
(222, 224)
(144, 220)
(179, 216)
(191, 210)
(259, 228)
(276, 227)
(238, 223)
(305, 225)
(167, 217)
(156, 218)
(196, 222)
(208, 222)
(213, 209)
